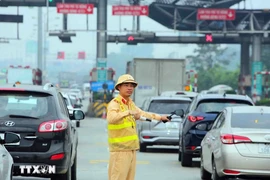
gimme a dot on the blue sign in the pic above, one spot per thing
(97, 86)
(257, 66)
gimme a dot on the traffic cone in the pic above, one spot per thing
(104, 114)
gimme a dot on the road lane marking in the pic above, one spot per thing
(107, 161)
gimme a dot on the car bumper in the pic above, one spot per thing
(159, 139)
(229, 158)
(41, 158)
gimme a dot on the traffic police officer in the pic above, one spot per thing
(122, 114)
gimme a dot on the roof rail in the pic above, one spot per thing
(47, 86)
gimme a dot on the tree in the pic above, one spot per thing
(217, 75)
(207, 56)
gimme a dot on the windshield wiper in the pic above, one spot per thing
(21, 116)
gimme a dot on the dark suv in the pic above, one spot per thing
(199, 118)
(39, 115)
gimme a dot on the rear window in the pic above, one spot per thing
(217, 105)
(24, 104)
(251, 120)
(167, 106)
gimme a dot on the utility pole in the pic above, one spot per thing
(40, 41)
(102, 28)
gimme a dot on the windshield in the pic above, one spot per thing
(218, 105)
(34, 105)
(251, 120)
(167, 106)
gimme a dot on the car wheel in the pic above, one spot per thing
(205, 175)
(179, 155)
(215, 176)
(66, 176)
(77, 123)
(11, 172)
(143, 147)
(179, 152)
(186, 159)
(74, 169)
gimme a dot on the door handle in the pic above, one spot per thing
(3, 155)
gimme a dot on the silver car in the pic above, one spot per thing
(164, 133)
(238, 144)
(6, 161)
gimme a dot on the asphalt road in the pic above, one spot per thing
(158, 163)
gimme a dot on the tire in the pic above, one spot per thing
(66, 176)
(205, 175)
(143, 147)
(11, 174)
(74, 169)
(215, 176)
(179, 155)
(77, 123)
(186, 159)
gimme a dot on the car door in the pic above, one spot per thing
(73, 130)
(2, 158)
(208, 143)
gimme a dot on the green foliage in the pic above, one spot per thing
(263, 102)
(217, 75)
(207, 56)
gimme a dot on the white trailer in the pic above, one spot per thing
(156, 76)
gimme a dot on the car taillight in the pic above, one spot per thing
(234, 139)
(53, 126)
(195, 118)
(58, 156)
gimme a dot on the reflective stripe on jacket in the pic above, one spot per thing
(122, 136)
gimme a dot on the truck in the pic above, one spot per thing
(155, 76)
(24, 75)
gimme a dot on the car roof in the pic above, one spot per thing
(179, 93)
(224, 96)
(249, 109)
(47, 88)
(170, 98)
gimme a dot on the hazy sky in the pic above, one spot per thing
(86, 41)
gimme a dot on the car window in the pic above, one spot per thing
(218, 105)
(167, 106)
(251, 120)
(25, 104)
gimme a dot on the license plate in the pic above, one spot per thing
(10, 144)
(264, 149)
(172, 125)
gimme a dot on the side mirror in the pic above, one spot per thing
(179, 112)
(78, 115)
(202, 127)
(10, 137)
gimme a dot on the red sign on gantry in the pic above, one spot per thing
(66, 8)
(216, 14)
(130, 10)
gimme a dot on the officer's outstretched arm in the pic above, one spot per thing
(114, 114)
(149, 115)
